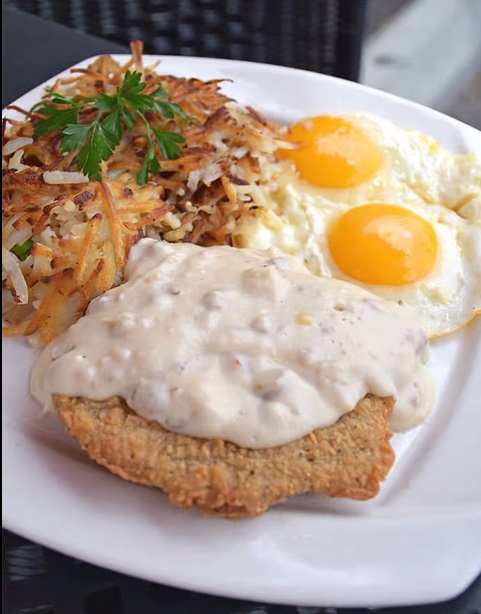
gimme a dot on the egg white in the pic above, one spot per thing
(414, 166)
(418, 174)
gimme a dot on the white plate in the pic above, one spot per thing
(418, 541)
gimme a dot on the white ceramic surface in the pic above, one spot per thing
(418, 541)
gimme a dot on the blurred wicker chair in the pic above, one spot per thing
(319, 35)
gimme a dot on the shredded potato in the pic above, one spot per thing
(81, 231)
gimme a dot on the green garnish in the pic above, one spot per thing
(116, 113)
(22, 250)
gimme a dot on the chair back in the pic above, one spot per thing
(318, 35)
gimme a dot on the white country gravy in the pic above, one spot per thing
(238, 344)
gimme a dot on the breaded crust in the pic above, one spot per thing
(348, 459)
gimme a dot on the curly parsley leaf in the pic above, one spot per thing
(113, 114)
(73, 137)
(100, 141)
(169, 143)
(56, 119)
(169, 109)
(160, 92)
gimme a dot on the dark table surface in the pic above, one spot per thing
(33, 51)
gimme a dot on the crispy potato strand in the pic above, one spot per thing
(115, 224)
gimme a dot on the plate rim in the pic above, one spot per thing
(394, 98)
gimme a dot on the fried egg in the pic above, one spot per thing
(382, 207)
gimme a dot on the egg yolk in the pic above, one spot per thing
(383, 244)
(332, 152)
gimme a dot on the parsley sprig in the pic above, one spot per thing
(96, 140)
